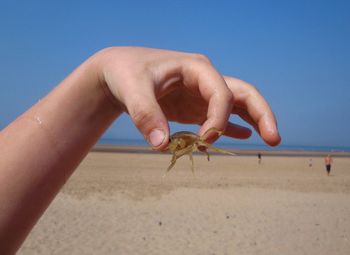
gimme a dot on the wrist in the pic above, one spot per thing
(96, 64)
(78, 110)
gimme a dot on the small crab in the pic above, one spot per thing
(185, 142)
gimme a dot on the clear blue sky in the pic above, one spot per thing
(296, 52)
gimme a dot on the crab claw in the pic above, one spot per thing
(210, 132)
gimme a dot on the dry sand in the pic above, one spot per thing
(118, 203)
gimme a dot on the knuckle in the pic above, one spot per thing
(225, 95)
(253, 90)
(202, 58)
(228, 96)
(141, 115)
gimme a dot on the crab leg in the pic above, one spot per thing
(192, 163)
(205, 152)
(178, 154)
(173, 161)
(209, 146)
(210, 130)
(221, 150)
(196, 148)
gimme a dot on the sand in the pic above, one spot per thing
(118, 203)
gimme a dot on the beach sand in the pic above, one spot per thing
(118, 203)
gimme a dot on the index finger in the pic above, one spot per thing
(204, 80)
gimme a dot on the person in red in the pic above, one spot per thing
(328, 162)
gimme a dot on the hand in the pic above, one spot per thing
(155, 86)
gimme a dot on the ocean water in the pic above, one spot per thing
(243, 146)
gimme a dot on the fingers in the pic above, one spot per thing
(146, 114)
(253, 108)
(237, 131)
(202, 78)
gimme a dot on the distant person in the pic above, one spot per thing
(328, 162)
(259, 158)
(43, 146)
(310, 162)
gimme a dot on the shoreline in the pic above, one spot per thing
(240, 152)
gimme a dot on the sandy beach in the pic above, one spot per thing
(118, 203)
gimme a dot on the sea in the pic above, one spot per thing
(242, 146)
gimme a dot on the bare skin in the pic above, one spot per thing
(185, 143)
(42, 147)
(328, 160)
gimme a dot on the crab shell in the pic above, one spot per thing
(182, 139)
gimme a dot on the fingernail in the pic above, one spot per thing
(156, 137)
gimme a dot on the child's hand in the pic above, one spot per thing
(155, 86)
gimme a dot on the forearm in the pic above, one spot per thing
(51, 138)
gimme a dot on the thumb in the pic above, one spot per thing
(149, 118)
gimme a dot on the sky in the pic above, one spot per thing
(297, 53)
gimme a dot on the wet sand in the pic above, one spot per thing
(118, 203)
